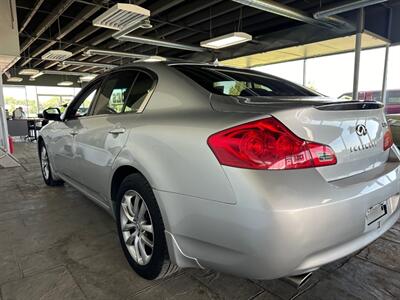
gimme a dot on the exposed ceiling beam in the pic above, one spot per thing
(83, 15)
(30, 15)
(46, 23)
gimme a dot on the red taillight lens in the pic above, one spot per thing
(268, 144)
(387, 140)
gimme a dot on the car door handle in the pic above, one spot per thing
(117, 131)
(73, 133)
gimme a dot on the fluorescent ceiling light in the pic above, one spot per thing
(227, 40)
(121, 15)
(15, 79)
(87, 78)
(65, 83)
(57, 55)
(28, 72)
(114, 53)
(154, 58)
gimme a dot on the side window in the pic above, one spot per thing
(114, 92)
(81, 107)
(141, 88)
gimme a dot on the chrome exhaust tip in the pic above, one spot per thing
(298, 281)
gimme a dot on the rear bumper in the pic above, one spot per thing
(283, 223)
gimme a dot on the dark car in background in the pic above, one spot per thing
(392, 107)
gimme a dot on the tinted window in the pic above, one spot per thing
(124, 91)
(231, 82)
(141, 88)
(113, 92)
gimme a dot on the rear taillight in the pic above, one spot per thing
(267, 144)
(387, 140)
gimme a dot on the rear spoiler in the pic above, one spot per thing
(350, 105)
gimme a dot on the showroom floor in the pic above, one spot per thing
(56, 244)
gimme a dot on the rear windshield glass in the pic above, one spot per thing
(231, 82)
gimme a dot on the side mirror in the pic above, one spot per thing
(52, 114)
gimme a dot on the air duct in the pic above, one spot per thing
(55, 72)
(274, 7)
(91, 52)
(350, 5)
(157, 42)
(88, 64)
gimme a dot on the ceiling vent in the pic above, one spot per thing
(121, 15)
(57, 55)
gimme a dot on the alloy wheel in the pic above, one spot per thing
(45, 163)
(137, 227)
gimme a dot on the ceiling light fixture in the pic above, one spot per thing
(57, 55)
(226, 40)
(15, 79)
(87, 78)
(37, 75)
(154, 58)
(65, 83)
(28, 72)
(121, 15)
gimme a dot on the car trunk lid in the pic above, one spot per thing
(354, 130)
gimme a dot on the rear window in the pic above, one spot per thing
(231, 82)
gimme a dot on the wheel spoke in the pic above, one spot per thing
(129, 226)
(128, 201)
(146, 241)
(147, 228)
(132, 238)
(126, 211)
(136, 246)
(136, 205)
(143, 253)
(142, 211)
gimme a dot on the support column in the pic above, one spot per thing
(360, 29)
(387, 52)
(385, 70)
(304, 72)
(3, 119)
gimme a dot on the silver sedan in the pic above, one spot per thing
(228, 169)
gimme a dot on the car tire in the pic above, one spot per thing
(141, 229)
(46, 167)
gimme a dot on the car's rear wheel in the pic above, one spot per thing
(46, 167)
(141, 229)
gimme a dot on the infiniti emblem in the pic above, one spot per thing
(361, 130)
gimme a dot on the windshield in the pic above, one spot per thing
(232, 82)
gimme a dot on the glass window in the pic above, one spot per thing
(81, 107)
(123, 92)
(113, 93)
(141, 88)
(231, 82)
